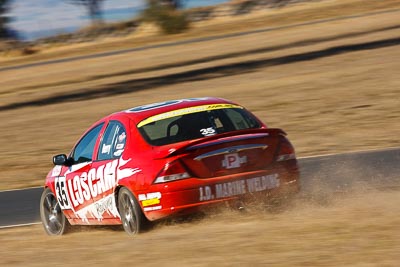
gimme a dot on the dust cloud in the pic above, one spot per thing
(359, 226)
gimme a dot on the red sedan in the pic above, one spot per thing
(166, 159)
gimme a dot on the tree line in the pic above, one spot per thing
(92, 7)
(161, 12)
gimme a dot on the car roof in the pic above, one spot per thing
(140, 113)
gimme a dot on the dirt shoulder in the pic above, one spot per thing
(332, 87)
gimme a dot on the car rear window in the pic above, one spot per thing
(183, 127)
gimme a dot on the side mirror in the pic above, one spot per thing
(60, 160)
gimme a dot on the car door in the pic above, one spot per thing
(110, 150)
(73, 187)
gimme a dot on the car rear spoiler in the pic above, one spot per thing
(174, 149)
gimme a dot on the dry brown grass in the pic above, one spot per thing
(361, 229)
(340, 98)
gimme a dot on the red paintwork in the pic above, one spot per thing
(85, 190)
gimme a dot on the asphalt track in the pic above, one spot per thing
(332, 173)
(194, 40)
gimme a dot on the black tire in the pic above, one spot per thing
(131, 214)
(53, 219)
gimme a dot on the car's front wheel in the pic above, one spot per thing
(131, 215)
(53, 219)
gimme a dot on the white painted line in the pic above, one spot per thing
(19, 225)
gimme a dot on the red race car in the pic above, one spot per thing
(166, 159)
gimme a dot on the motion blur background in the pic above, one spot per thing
(35, 19)
(327, 72)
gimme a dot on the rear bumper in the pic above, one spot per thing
(187, 196)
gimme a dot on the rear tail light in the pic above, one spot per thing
(171, 172)
(286, 151)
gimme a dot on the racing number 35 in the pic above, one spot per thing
(61, 192)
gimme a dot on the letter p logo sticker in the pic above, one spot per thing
(231, 161)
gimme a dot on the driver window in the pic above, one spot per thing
(113, 143)
(83, 151)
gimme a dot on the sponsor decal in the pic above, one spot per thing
(98, 208)
(152, 208)
(71, 192)
(106, 149)
(239, 187)
(150, 202)
(119, 146)
(208, 131)
(184, 111)
(233, 160)
(120, 143)
(150, 199)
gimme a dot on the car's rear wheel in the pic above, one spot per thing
(54, 221)
(131, 215)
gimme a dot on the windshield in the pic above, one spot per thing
(188, 126)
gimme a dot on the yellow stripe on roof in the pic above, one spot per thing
(184, 111)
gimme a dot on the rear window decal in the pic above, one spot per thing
(184, 111)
